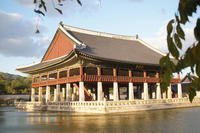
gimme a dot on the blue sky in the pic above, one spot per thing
(19, 45)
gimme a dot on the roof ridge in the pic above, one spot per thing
(98, 33)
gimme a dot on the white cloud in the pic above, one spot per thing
(16, 36)
(158, 40)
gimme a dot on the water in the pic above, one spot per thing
(184, 120)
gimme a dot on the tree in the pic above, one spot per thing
(175, 39)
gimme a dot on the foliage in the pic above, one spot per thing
(41, 8)
(12, 84)
(175, 39)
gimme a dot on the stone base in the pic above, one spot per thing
(111, 106)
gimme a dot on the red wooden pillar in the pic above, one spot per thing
(114, 72)
(81, 72)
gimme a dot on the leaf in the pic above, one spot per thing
(79, 2)
(170, 26)
(197, 30)
(191, 92)
(180, 32)
(177, 41)
(60, 11)
(39, 12)
(35, 1)
(43, 5)
(198, 69)
(172, 48)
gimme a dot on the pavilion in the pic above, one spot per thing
(84, 65)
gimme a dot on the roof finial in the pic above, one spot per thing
(61, 23)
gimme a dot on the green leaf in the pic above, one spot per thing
(197, 30)
(172, 48)
(177, 41)
(180, 32)
(191, 92)
(170, 26)
(60, 11)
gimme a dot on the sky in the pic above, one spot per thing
(19, 45)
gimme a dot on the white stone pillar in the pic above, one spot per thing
(115, 91)
(40, 94)
(58, 92)
(146, 91)
(68, 92)
(55, 95)
(164, 95)
(131, 91)
(81, 91)
(153, 95)
(63, 94)
(158, 91)
(99, 91)
(169, 92)
(32, 94)
(47, 93)
(179, 90)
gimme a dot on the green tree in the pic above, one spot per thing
(175, 39)
(2, 84)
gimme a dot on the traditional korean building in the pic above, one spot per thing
(84, 65)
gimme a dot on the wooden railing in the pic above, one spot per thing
(103, 78)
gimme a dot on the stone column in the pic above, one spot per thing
(47, 93)
(100, 91)
(153, 95)
(131, 91)
(40, 94)
(179, 90)
(32, 94)
(81, 91)
(158, 91)
(55, 95)
(68, 92)
(146, 91)
(115, 91)
(164, 95)
(169, 92)
(63, 94)
(58, 92)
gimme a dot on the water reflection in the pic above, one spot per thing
(172, 121)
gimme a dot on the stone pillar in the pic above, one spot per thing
(68, 92)
(115, 91)
(32, 94)
(164, 95)
(169, 92)
(146, 91)
(153, 95)
(47, 93)
(55, 95)
(158, 91)
(100, 91)
(179, 90)
(81, 91)
(40, 94)
(131, 91)
(63, 94)
(58, 92)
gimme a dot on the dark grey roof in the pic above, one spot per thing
(45, 64)
(124, 50)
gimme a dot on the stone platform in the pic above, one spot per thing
(109, 106)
